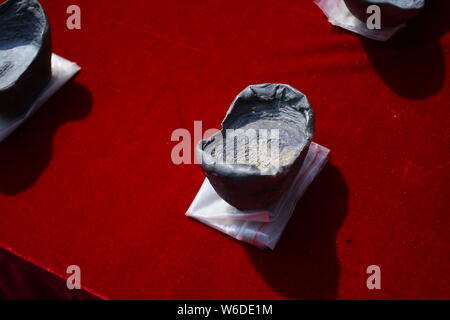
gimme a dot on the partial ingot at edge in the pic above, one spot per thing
(25, 56)
(393, 12)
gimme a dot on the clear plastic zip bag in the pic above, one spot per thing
(262, 228)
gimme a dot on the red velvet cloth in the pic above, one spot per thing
(89, 179)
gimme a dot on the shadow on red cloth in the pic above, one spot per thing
(412, 62)
(22, 280)
(304, 265)
(27, 152)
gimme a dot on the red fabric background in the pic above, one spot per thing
(89, 180)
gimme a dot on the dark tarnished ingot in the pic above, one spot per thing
(241, 166)
(393, 12)
(25, 56)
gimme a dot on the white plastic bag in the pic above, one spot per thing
(262, 228)
(62, 71)
(339, 15)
